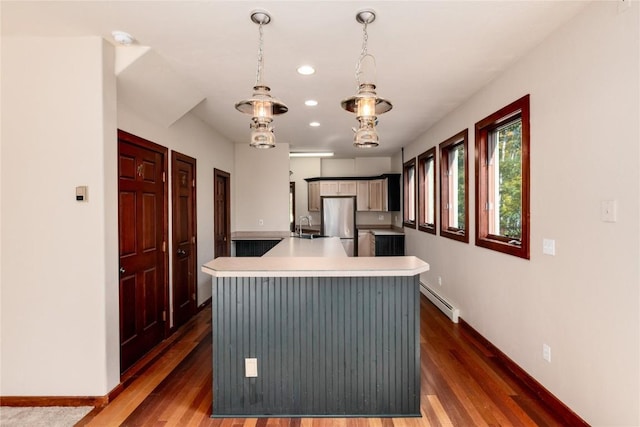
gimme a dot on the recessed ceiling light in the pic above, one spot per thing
(314, 124)
(310, 102)
(306, 70)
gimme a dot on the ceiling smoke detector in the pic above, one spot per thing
(122, 38)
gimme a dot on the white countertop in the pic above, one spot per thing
(324, 257)
(297, 247)
(259, 235)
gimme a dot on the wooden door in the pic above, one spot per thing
(184, 255)
(221, 214)
(292, 206)
(142, 228)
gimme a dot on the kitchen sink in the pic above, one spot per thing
(309, 236)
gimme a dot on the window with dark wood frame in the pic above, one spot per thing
(409, 193)
(502, 180)
(454, 187)
(427, 191)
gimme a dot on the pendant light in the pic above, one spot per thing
(365, 103)
(261, 106)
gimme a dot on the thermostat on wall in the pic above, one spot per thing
(81, 193)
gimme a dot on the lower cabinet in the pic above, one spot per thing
(389, 245)
(364, 243)
(254, 247)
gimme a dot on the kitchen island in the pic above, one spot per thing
(331, 335)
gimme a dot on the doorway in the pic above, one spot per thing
(221, 213)
(183, 238)
(292, 206)
(142, 237)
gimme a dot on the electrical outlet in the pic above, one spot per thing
(261, 222)
(380, 217)
(250, 367)
(440, 280)
(546, 352)
(609, 211)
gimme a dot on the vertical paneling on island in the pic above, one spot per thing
(326, 346)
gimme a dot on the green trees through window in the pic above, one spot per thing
(505, 149)
(502, 180)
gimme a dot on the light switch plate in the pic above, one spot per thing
(548, 246)
(81, 193)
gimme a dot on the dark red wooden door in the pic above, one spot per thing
(221, 214)
(183, 172)
(142, 243)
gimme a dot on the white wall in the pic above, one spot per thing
(261, 188)
(302, 168)
(59, 276)
(59, 257)
(371, 166)
(584, 302)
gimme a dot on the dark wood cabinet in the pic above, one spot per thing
(254, 247)
(389, 245)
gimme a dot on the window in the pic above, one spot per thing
(409, 205)
(502, 183)
(427, 191)
(454, 204)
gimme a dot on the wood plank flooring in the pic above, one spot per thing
(461, 385)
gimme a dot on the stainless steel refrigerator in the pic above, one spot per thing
(338, 219)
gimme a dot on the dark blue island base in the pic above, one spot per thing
(325, 346)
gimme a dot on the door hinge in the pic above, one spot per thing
(164, 177)
(164, 315)
(164, 246)
(193, 239)
(193, 296)
(193, 183)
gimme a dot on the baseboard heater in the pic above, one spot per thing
(445, 306)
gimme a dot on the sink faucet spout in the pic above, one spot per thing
(302, 218)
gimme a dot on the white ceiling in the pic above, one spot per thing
(431, 56)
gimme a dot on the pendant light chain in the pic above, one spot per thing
(260, 57)
(363, 53)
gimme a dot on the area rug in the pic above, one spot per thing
(43, 416)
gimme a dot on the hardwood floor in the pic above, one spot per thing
(462, 385)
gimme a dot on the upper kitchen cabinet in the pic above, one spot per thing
(362, 195)
(338, 188)
(313, 193)
(378, 200)
(372, 195)
(378, 193)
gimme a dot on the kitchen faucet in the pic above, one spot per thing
(308, 218)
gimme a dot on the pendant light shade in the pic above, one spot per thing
(261, 106)
(366, 104)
